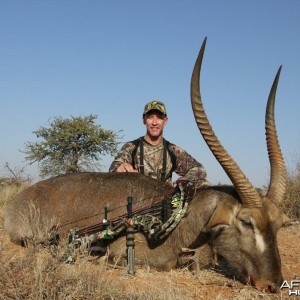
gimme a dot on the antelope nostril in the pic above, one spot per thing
(273, 288)
(266, 286)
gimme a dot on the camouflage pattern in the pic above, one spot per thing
(155, 105)
(186, 165)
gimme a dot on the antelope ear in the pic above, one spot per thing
(222, 216)
(285, 220)
(276, 215)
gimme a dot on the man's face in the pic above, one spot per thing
(155, 122)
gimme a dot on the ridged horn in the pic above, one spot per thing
(248, 194)
(277, 186)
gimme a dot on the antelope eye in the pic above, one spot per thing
(247, 224)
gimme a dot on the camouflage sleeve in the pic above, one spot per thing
(189, 168)
(124, 156)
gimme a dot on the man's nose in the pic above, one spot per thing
(154, 121)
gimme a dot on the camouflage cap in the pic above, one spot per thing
(155, 105)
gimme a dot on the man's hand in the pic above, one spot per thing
(182, 180)
(126, 167)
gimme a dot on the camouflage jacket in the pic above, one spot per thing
(185, 165)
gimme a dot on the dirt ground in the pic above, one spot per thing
(182, 284)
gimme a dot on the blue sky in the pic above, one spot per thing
(63, 58)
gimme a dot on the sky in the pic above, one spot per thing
(108, 58)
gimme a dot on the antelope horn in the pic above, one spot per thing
(248, 194)
(277, 184)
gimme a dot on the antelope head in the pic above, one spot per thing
(247, 230)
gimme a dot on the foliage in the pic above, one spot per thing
(71, 145)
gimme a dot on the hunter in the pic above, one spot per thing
(154, 156)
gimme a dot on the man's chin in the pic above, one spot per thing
(155, 134)
(155, 137)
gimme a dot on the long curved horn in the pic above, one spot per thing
(277, 184)
(248, 194)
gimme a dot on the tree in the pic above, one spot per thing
(71, 145)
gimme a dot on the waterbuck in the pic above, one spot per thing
(239, 225)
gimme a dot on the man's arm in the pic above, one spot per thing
(189, 168)
(123, 161)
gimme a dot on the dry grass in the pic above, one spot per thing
(291, 204)
(39, 275)
(36, 227)
(36, 274)
(8, 189)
